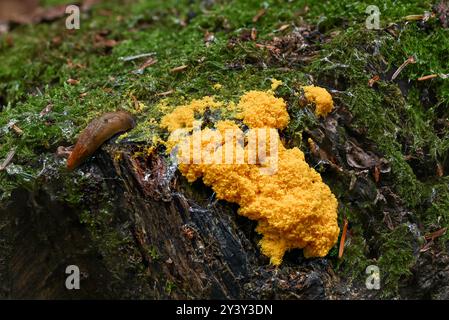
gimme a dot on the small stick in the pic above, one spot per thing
(414, 17)
(178, 69)
(143, 55)
(430, 76)
(8, 159)
(343, 239)
(406, 63)
(146, 64)
(166, 93)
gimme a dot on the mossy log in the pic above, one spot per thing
(189, 245)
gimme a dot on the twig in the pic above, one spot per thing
(8, 159)
(417, 17)
(163, 94)
(411, 59)
(430, 76)
(343, 239)
(143, 55)
(178, 69)
(145, 65)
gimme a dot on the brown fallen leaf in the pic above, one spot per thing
(46, 110)
(48, 14)
(436, 234)
(442, 12)
(430, 238)
(376, 174)
(209, 38)
(18, 11)
(440, 170)
(16, 129)
(87, 4)
(63, 152)
(358, 158)
(100, 41)
(29, 11)
(373, 80)
(259, 15)
(73, 81)
(253, 34)
(72, 65)
(426, 247)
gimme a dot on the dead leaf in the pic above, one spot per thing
(356, 157)
(442, 12)
(436, 234)
(63, 152)
(376, 174)
(373, 80)
(46, 110)
(87, 4)
(253, 34)
(29, 11)
(426, 247)
(100, 41)
(259, 15)
(72, 65)
(73, 81)
(440, 170)
(18, 11)
(16, 129)
(209, 38)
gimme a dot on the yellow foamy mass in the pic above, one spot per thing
(184, 116)
(293, 206)
(322, 99)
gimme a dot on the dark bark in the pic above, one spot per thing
(190, 246)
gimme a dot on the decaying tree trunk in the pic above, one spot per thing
(136, 229)
(189, 245)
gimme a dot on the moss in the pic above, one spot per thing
(396, 259)
(35, 68)
(169, 287)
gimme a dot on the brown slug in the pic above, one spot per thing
(96, 133)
